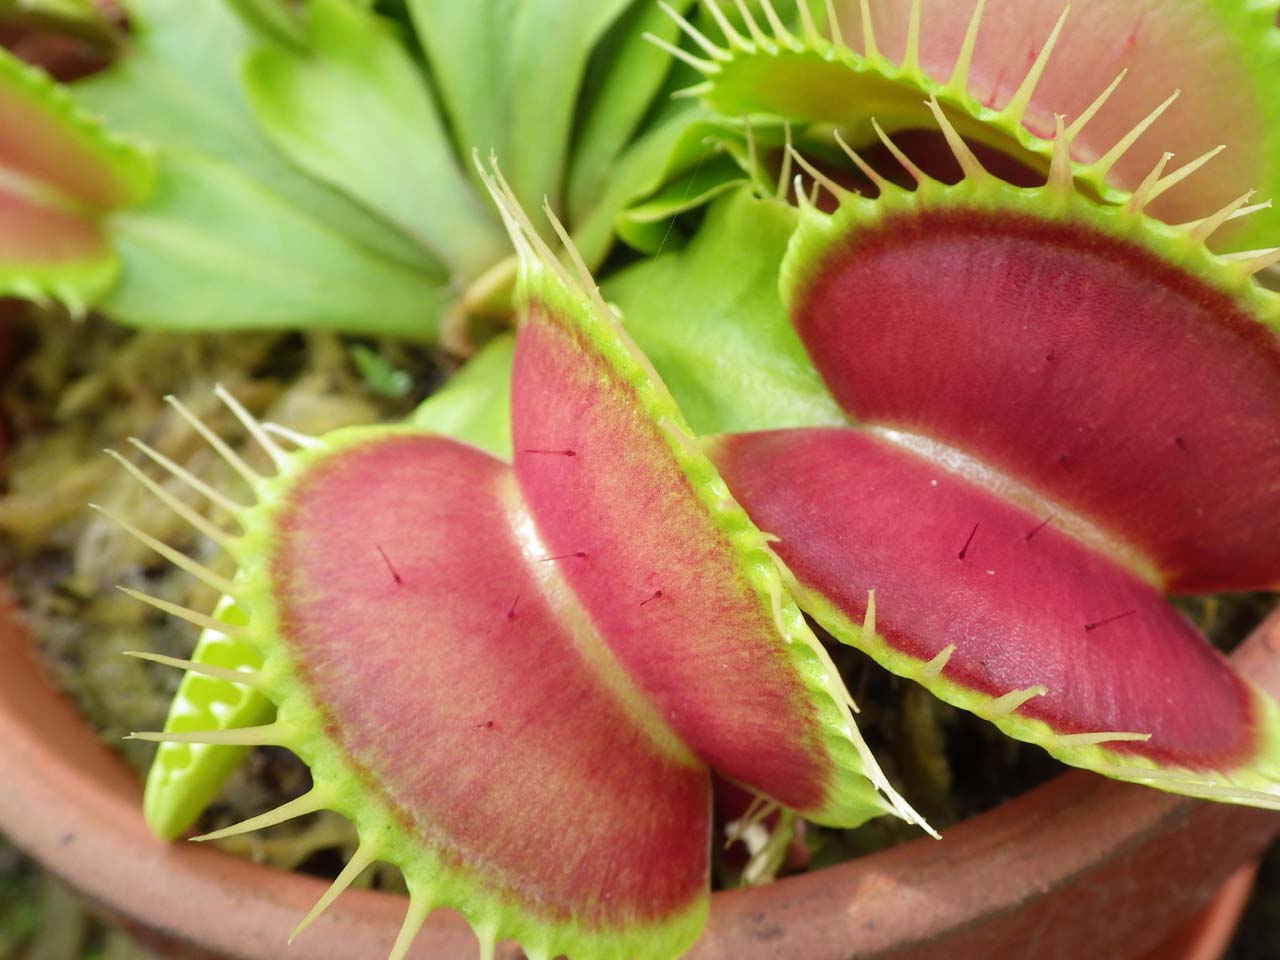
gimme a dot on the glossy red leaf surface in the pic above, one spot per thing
(1023, 604)
(1083, 373)
(467, 702)
(653, 572)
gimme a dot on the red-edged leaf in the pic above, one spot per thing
(481, 716)
(1001, 602)
(1035, 378)
(1023, 603)
(667, 567)
(1229, 53)
(514, 679)
(1079, 368)
(59, 174)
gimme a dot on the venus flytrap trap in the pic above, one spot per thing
(61, 175)
(983, 420)
(845, 70)
(1222, 54)
(596, 621)
(1034, 382)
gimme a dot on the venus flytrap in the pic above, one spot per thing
(1222, 54)
(983, 423)
(1034, 383)
(596, 623)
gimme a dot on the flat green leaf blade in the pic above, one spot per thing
(179, 87)
(213, 250)
(680, 142)
(648, 225)
(626, 74)
(509, 72)
(354, 110)
(475, 406)
(711, 320)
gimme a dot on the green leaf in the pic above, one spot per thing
(214, 250)
(379, 374)
(682, 141)
(60, 174)
(625, 75)
(647, 226)
(179, 87)
(711, 320)
(509, 73)
(475, 406)
(276, 20)
(82, 10)
(355, 111)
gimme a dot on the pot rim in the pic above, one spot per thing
(71, 802)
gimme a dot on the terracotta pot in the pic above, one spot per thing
(1080, 867)
(1209, 933)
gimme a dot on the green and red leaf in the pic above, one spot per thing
(670, 570)
(1082, 357)
(1031, 378)
(60, 175)
(998, 611)
(517, 781)
(516, 678)
(1228, 54)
